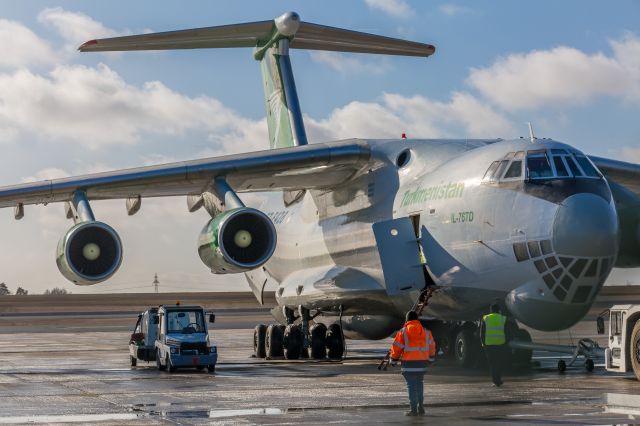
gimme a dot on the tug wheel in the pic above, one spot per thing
(634, 349)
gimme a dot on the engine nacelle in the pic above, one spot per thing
(89, 253)
(237, 240)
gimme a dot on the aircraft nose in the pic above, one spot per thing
(585, 225)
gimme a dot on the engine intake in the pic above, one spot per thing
(89, 253)
(237, 240)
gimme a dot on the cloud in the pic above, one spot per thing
(349, 64)
(451, 9)
(95, 107)
(630, 154)
(21, 47)
(75, 27)
(562, 75)
(462, 116)
(396, 8)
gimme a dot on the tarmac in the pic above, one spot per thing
(75, 370)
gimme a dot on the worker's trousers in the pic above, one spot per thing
(415, 386)
(495, 357)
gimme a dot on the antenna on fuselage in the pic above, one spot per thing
(532, 137)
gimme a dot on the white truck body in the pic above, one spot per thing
(624, 339)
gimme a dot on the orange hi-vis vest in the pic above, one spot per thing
(414, 345)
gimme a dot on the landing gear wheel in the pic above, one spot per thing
(211, 368)
(562, 366)
(134, 361)
(634, 349)
(159, 363)
(588, 365)
(335, 342)
(273, 341)
(522, 357)
(259, 336)
(318, 346)
(464, 348)
(170, 367)
(292, 341)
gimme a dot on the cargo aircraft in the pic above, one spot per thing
(352, 231)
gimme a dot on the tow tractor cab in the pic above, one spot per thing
(623, 352)
(174, 336)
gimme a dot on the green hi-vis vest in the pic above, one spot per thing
(494, 329)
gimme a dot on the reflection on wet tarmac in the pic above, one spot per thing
(69, 418)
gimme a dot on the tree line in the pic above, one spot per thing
(56, 291)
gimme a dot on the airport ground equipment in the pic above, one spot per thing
(143, 339)
(586, 348)
(623, 352)
(183, 339)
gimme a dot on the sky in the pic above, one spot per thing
(571, 67)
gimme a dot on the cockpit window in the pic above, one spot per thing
(541, 164)
(575, 171)
(515, 170)
(586, 166)
(500, 170)
(561, 170)
(538, 166)
(491, 170)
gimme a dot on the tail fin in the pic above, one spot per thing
(271, 40)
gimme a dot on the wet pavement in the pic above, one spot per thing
(64, 376)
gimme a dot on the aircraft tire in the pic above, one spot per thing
(158, 362)
(465, 352)
(634, 349)
(134, 361)
(259, 337)
(292, 341)
(273, 341)
(335, 342)
(211, 368)
(522, 357)
(318, 346)
(589, 365)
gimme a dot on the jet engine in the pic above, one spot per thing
(89, 253)
(237, 240)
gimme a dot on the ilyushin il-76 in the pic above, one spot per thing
(350, 232)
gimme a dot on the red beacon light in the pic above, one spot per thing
(404, 135)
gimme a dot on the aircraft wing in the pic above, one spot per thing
(315, 166)
(621, 172)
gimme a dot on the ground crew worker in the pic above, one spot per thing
(414, 346)
(493, 338)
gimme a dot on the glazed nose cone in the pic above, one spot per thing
(585, 225)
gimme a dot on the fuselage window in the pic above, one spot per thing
(519, 155)
(561, 170)
(515, 170)
(586, 166)
(573, 166)
(538, 166)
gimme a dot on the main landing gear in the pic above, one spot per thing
(298, 339)
(460, 341)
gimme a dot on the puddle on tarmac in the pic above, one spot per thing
(69, 418)
(214, 414)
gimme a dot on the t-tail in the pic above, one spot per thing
(272, 41)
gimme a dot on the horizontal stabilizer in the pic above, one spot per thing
(258, 34)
